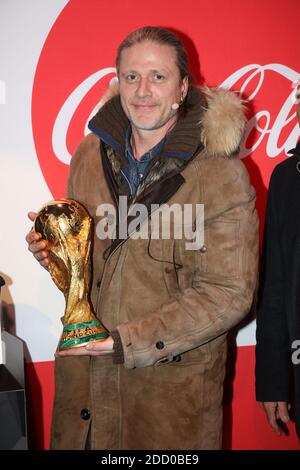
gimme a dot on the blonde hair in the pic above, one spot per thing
(160, 36)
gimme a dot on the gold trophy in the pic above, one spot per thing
(66, 225)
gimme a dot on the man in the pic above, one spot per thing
(278, 318)
(160, 141)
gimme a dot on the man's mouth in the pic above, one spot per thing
(144, 106)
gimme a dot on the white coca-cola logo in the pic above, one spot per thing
(67, 110)
(252, 74)
(284, 116)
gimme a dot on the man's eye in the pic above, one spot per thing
(158, 77)
(131, 77)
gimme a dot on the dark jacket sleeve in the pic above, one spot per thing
(272, 350)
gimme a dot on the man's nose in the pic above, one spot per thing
(144, 88)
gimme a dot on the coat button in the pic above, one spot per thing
(203, 249)
(168, 270)
(177, 359)
(163, 361)
(160, 345)
(85, 414)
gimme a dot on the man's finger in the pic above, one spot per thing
(282, 410)
(45, 263)
(37, 246)
(94, 348)
(41, 255)
(270, 410)
(72, 352)
(32, 215)
(33, 236)
(82, 352)
(104, 345)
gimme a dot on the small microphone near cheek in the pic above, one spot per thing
(175, 106)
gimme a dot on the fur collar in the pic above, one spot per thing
(217, 113)
(223, 123)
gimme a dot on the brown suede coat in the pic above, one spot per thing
(171, 307)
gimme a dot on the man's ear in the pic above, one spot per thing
(184, 87)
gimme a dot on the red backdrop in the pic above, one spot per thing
(251, 46)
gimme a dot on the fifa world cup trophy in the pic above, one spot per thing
(66, 225)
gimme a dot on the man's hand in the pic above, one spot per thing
(94, 348)
(276, 410)
(36, 245)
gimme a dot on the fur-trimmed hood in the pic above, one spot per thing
(223, 123)
(220, 117)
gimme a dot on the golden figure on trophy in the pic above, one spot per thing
(66, 225)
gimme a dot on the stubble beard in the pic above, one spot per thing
(152, 126)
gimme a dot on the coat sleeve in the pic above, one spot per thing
(76, 166)
(224, 275)
(272, 350)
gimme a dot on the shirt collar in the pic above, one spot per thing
(148, 155)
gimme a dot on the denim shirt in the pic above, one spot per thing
(137, 168)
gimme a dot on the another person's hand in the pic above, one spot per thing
(36, 245)
(94, 348)
(276, 410)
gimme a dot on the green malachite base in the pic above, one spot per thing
(78, 334)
